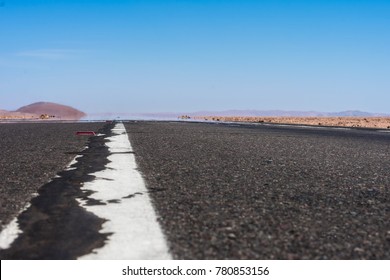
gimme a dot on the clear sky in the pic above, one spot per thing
(156, 56)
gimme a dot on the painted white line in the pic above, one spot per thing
(9, 234)
(11, 231)
(70, 166)
(132, 222)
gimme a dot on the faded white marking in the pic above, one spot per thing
(132, 222)
(11, 231)
(70, 166)
(9, 234)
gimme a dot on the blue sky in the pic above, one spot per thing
(156, 56)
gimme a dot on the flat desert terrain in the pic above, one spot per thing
(365, 122)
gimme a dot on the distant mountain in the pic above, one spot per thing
(356, 114)
(55, 110)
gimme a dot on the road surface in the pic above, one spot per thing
(228, 191)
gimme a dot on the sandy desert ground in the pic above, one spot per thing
(4, 115)
(363, 122)
(366, 122)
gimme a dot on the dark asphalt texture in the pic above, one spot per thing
(55, 226)
(31, 155)
(227, 191)
(221, 191)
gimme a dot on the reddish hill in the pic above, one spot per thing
(52, 109)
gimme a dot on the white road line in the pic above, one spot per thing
(11, 231)
(9, 234)
(132, 221)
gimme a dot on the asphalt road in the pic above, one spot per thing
(267, 192)
(221, 191)
(31, 154)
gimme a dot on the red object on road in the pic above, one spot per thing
(89, 133)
